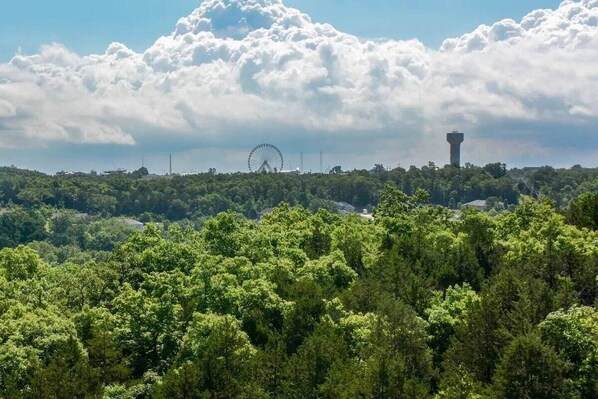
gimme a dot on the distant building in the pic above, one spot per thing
(66, 173)
(291, 172)
(137, 225)
(344, 208)
(366, 215)
(115, 172)
(480, 205)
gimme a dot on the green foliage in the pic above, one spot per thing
(21, 263)
(583, 211)
(105, 235)
(148, 328)
(574, 335)
(357, 239)
(224, 234)
(214, 360)
(329, 271)
(203, 195)
(445, 315)
(67, 229)
(97, 330)
(394, 203)
(308, 370)
(529, 369)
(39, 348)
(496, 170)
(421, 302)
(20, 226)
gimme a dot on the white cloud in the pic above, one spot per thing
(234, 69)
(7, 109)
(571, 26)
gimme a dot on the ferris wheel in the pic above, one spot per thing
(265, 158)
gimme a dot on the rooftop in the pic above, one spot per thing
(477, 204)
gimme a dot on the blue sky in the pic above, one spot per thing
(209, 80)
(89, 26)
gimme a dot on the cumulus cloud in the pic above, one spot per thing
(7, 109)
(236, 69)
(571, 26)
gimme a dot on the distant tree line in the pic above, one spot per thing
(196, 196)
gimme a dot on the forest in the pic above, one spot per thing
(175, 198)
(420, 302)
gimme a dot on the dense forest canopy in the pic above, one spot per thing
(154, 198)
(422, 301)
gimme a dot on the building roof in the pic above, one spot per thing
(132, 222)
(477, 203)
(345, 207)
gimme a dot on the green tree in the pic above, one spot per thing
(583, 211)
(224, 234)
(21, 226)
(96, 328)
(529, 370)
(214, 361)
(39, 348)
(21, 263)
(573, 334)
(307, 370)
(148, 328)
(448, 313)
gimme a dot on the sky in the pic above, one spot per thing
(87, 27)
(98, 85)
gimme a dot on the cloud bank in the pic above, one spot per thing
(237, 71)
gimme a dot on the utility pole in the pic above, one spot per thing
(170, 167)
